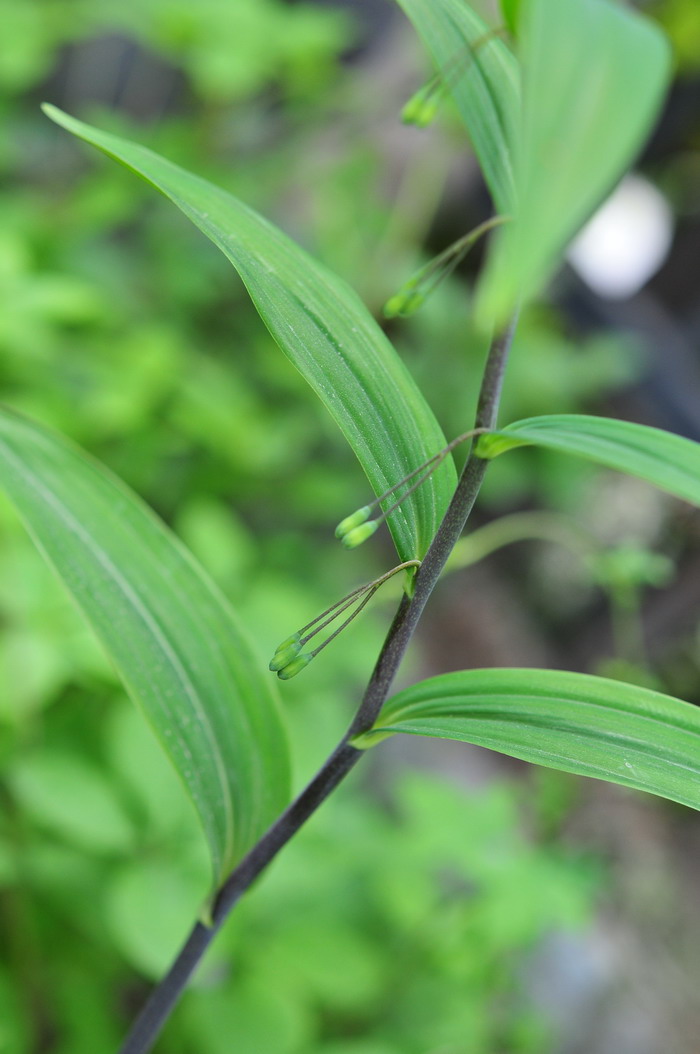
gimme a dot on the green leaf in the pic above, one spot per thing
(171, 636)
(569, 721)
(594, 75)
(73, 798)
(669, 461)
(481, 74)
(324, 329)
(149, 930)
(510, 10)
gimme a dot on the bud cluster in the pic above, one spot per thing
(418, 288)
(357, 527)
(289, 658)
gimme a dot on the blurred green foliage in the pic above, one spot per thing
(681, 20)
(386, 928)
(227, 51)
(411, 923)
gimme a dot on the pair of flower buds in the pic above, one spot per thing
(290, 658)
(420, 111)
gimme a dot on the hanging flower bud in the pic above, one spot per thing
(403, 303)
(421, 109)
(360, 534)
(420, 285)
(289, 660)
(287, 650)
(352, 521)
(295, 666)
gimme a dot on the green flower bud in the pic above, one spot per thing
(403, 304)
(360, 534)
(352, 521)
(295, 666)
(287, 643)
(421, 109)
(284, 655)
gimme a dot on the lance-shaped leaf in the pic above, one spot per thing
(324, 329)
(670, 462)
(481, 74)
(568, 721)
(173, 639)
(593, 76)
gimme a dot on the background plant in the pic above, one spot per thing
(206, 526)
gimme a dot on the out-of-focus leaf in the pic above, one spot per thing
(72, 798)
(594, 74)
(259, 1010)
(14, 1024)
(173, 639)
(511, 13)
(481, 74)
(669, 461)
(326, 331)
(148, 905)
(569, 721)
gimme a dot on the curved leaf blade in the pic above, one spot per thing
(173, 639)
(594, 74)
(587, 725)
(669, 461)
(482, 76)
(323, 328)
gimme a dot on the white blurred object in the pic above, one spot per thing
(626, 241)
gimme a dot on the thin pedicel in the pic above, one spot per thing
(357, 527)
(289, 659)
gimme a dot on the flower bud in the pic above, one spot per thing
(421, 109)
(295, 666)
(360, 534)
(288, 641)
(403, 304)
(288, 650)
(352, 521)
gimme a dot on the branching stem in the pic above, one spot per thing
(165, 995)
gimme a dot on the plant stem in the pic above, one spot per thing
(442, 545)
(165, 995)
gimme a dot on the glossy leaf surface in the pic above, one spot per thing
(568, 721)
(175, 643)
(593, 77)
(481, 74)
(670, 462)
(323, 328)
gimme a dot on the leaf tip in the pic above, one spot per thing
(59, 117)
